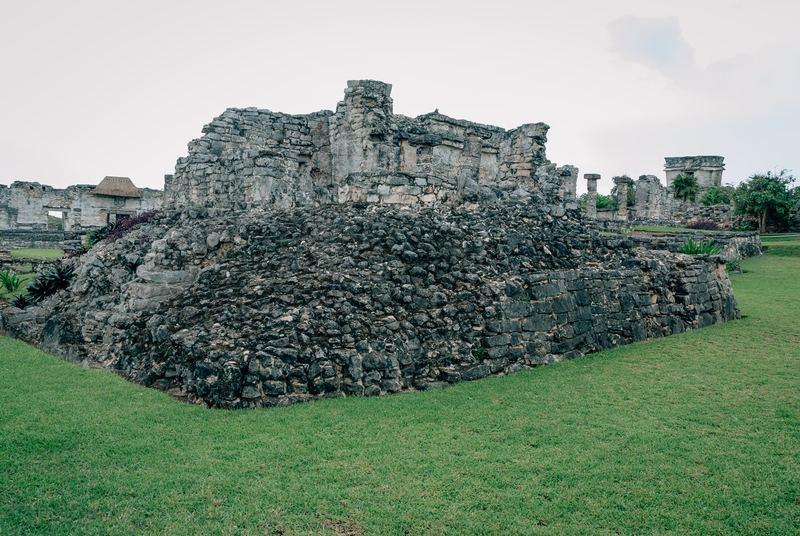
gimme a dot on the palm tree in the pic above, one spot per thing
(684, 187)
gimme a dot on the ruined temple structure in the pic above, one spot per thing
(26, 205)
(706, 169)
(363, 152)
(363, 253)
(656, 203)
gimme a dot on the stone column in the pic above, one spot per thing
(591, 196)
(622, 197)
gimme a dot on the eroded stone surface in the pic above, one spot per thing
(363, 152)
(360, 252)
(358, 299)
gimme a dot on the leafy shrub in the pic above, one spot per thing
(704, 225)
(21, 301)
(685, 187)
(631, 201)
(744, 226)
(10, 281)
(690, 247)
(717, 195)
(50, 282)
(124, 227)
(603, 201)
(115, 231)
(768, 197)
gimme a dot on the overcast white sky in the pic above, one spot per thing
(96, 88)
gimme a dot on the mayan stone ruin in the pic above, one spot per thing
(26, 206)
(362, 152)
(360, 252)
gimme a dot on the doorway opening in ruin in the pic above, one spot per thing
(117, 218)
(55, 220)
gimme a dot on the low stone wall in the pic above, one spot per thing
(26, 265)
(722, 215)
(270, 308)
(745, 243)
(23, 239)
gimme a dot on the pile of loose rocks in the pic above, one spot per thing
(265, 308)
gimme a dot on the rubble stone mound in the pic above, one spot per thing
(270, 308)
(360, 252)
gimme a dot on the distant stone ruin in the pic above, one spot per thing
(26, 205)
(706, 169)
(363, 253)
(656, 203)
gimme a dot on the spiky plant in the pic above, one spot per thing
(10, 281)
(61, 275)
(21, 301)
(690, 247)
(50, 282)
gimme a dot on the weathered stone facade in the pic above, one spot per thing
(706, 169)
(363, 253)
(25, 205)
(252, 158)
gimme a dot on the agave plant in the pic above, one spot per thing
(93, 237)
(10, 281)
(50, 282)
(21, 301)
(690, 247)
(61, 275)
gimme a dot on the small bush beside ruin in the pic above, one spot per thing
(10, 281)
(115, 231)
(690, 247)
(46, 284)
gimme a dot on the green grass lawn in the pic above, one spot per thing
(694, 434)
(33, 253)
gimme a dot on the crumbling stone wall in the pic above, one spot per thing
(25, 206)
(363, 253)
(722, 215)
(250, 157)
(262, 308)
(363, 152)
(21, 239)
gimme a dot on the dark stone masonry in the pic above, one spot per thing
(251, 293)
(271, 308)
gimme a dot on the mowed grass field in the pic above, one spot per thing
(693, 434)
(32, 253)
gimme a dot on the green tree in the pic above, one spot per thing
(717, 195)
(631, 191)
(768, 197)
(685, 187)
(603, 201)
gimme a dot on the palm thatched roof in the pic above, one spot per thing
(117, 187)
